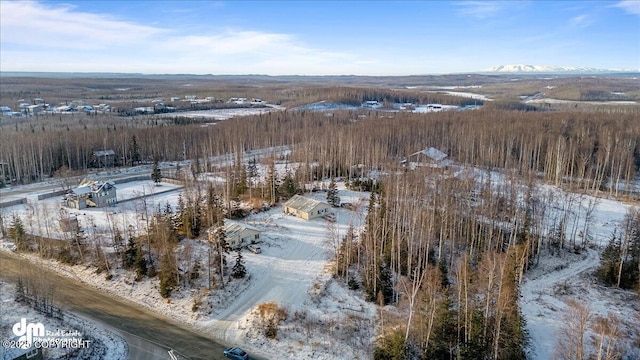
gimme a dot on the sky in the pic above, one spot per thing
(315, 37)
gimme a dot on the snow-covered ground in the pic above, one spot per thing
(103, 343)
(223, 114)
(566, 276)
(464, 94)
(325, 320)
(549, 287)
(560, 101)
(293, 270)
(42, 217)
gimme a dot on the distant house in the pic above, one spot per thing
(92, 193)
(87, 108)
(104, 158)
(306, 208)
(66, 108)
(372, 104)
(238, 101)
(35, 109)
(144, 110)
(239, 235)
(430, 157)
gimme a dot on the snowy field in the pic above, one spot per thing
(223, 114)
(103, 343)
(43, 217)
(560, 101)
(464, 94)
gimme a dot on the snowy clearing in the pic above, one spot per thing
(464, 94)
(223, 114)
(104, 344)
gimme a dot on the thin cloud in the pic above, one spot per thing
(629, 6)
(63, 27)
(479, 9)
(72, 40)
(582, 21)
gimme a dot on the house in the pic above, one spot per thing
(104, 158)
(430, 157)
(372, 104)
(92, 193)
(144, 110)
(18, 353)
(35, 109)
(306, 208)
(5, 111)
(239, 234)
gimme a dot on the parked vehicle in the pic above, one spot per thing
(331, 217)
(236, 353)
(254, 249)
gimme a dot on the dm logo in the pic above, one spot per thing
(26, 332)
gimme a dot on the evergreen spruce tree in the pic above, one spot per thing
(609, 261)
(167, 274)
(135, 151)
(239, 271)
(130, 254)
(18, 234)
(288, 187)
(20, 293)
(332, 195)
(156, 175)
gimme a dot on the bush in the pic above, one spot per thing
(270, 317)
(65, 256)
(353, 284)
(392, 347)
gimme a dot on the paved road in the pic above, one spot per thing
(150, 330)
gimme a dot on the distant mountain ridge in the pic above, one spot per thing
(523, 68)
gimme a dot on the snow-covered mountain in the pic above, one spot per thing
(522, 68)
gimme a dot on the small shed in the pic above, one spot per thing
(306, 208)
(104, 158)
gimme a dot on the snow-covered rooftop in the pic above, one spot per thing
(302, 203)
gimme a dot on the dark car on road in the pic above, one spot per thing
(236, 353)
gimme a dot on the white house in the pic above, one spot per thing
(239, 234)
(372, 104)
(92, 193)
(306, 208)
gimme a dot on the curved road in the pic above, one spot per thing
(540, 306)
(143, 330)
